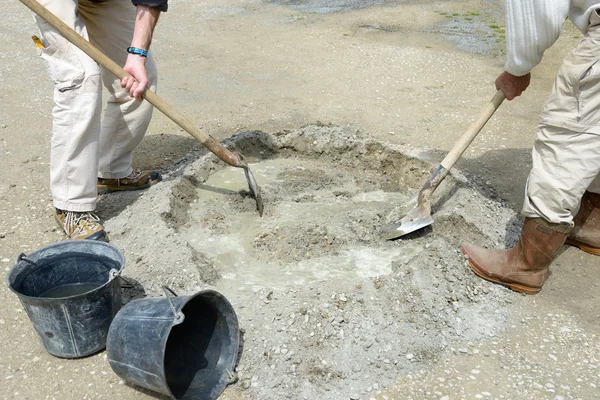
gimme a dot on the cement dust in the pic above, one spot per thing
(305, 234)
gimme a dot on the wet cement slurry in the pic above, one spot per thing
(305, 236)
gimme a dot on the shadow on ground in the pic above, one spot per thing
(497, 174)
(131, 290)
(162, 152)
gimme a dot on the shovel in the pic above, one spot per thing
(208, 141)
(420, 216)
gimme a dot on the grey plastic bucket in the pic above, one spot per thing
(71, 292)
(185, 347)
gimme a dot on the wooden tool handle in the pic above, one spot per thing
(101, 58)
(466, 139)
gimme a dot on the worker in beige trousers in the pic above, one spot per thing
(90, 155)
(562, 199)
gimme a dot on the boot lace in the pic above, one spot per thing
(77, 223)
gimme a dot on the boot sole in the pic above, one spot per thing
(587, 249)
(99, 236)
(104, 189)
(514, 286)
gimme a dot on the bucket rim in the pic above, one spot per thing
(112, 276)
(189, 298)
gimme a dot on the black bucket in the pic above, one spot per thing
(183, 346)
(71, 293)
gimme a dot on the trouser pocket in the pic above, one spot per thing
(588, 85)
(62, 61)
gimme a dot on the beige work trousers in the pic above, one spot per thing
(84, 147)
(566, 154)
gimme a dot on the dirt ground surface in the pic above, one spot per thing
(342, 107)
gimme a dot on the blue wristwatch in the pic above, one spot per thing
(138, 51)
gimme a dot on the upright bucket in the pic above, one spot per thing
(71, 292)
(185, 347)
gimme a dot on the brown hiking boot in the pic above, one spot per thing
(81, 225)
(523, 268)
(586, 233)
(137, 180)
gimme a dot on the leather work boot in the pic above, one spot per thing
(81, 225)
(523, 268)
(586, 233)
(137, 180)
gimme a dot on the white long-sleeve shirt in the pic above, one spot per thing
(532, 26)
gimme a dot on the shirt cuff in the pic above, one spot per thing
(517, 70)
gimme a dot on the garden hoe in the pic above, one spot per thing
(208, 141)
(420, 216)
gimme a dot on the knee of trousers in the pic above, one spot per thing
(89, 87)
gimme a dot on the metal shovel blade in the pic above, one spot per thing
(418, 218)
(254, 189)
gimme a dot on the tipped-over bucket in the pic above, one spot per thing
(71, 292)
(183, 346)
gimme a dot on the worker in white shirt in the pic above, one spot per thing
(562, 194)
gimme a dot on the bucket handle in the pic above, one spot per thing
(169, 293)
(24, 257)
(112, 274)
(231, 377)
